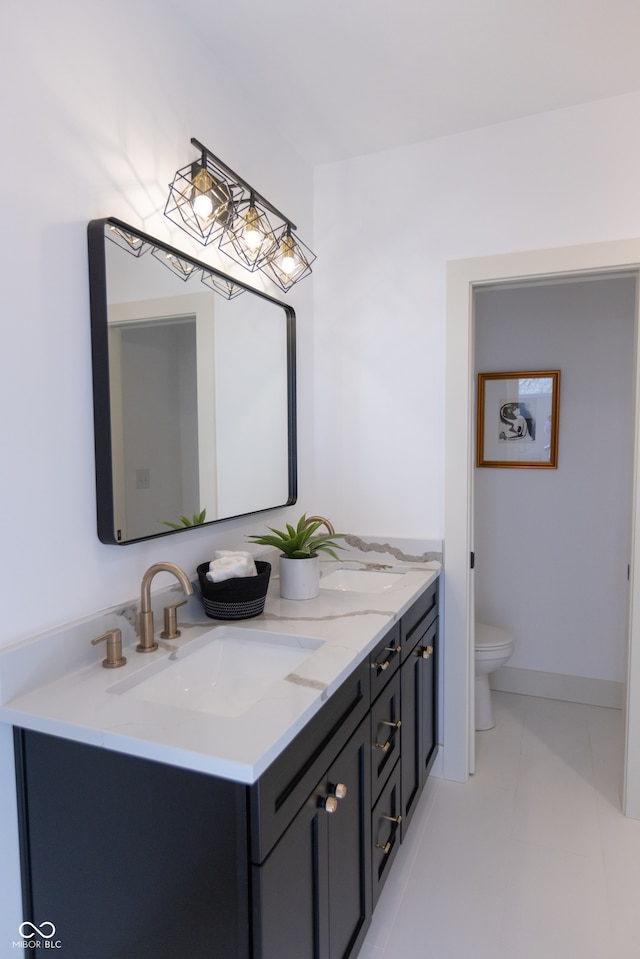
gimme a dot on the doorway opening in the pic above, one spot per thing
(464, 278)
(552, 546)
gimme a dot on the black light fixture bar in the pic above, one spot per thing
(243, 183)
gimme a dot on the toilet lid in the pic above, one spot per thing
(491, 637)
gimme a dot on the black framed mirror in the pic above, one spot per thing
(194, 379)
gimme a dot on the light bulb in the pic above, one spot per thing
(202, 206)
(252, 233)
(288, 259)
(202, 197)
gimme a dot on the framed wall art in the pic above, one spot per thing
(518, 416)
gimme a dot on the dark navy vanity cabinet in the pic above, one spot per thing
(131, 857)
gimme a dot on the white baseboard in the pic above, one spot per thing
(571, 689)
(437, 769)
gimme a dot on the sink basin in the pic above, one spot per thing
(223, 673)
(362, 580)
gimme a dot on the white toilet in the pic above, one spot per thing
(493, 648)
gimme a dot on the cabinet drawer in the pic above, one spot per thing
(385, 734)
(284, 787)
(385, 831)
(384, 660)
(418, 619)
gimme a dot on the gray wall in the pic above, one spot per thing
(552, 546)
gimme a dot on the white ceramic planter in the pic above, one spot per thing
(299, 578)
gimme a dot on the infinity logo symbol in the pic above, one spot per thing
(27, 935)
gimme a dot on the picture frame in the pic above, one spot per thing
(518, 419)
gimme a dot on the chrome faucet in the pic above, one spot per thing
(147, 642)
(324, 521)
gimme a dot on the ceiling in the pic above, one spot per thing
(340, 78)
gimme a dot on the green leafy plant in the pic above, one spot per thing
(196, 520)
(301, 541)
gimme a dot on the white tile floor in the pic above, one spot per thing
(532, 859)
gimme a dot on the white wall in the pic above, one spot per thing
(386, 225)
(98, 103)
(552, 546)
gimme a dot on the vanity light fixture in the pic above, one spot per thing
(210, 201)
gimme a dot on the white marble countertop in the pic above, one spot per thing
(55, 683)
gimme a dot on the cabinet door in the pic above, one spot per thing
(312, 894)
(418, 731)
(349, 830)
(289, 902)
(429, 699)
(411, 685)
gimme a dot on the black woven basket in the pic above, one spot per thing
(241, 597)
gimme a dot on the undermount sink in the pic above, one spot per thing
(223, 673)
(362, 580)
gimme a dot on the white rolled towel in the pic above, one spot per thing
(221, 553)
(231, 565)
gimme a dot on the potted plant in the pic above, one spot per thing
(300, 580)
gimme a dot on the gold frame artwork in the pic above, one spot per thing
(518, 418)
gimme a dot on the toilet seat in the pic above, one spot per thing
(491, 637)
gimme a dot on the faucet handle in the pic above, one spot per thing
(171, 630)
(113, 639)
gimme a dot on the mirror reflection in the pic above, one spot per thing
(193, 390)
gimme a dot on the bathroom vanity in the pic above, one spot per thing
(156, 848)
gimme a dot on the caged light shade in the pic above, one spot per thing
(290, 262)
(250, 239)
(202, 200)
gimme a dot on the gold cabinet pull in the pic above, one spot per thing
(395, 726)
(386, 847)
(339, 790)
(387, 662)
(330, 804)
(426, 651)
